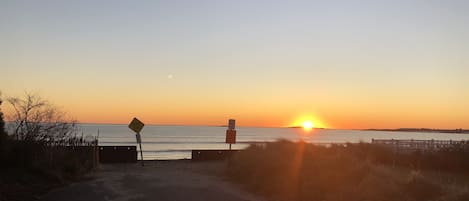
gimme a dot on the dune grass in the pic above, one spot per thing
(31, 168)
(291, 171)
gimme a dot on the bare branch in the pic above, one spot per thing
(35, 119)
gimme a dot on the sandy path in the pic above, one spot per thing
(161, 181)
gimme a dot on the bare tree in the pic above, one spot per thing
(35, 119)
(46, 137)
(3, 133)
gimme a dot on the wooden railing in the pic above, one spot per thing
(423, 145)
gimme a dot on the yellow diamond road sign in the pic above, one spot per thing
(136, 125)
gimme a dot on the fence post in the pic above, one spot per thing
(96, 154)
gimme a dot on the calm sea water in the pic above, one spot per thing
(176, 142)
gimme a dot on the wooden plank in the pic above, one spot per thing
(117, 154)
(205, 155)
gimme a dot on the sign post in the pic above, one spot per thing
(136, 125)
(231, 133)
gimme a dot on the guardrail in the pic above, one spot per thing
(205, 155)
(117, 154)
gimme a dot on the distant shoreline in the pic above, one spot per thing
(424, 130)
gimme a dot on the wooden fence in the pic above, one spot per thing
(422, 145)
(206, 155)
(117, 154)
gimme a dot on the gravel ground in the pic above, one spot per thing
(180, 180)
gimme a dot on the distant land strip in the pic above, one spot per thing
(426, 130)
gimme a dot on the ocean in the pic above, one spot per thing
(176, 142)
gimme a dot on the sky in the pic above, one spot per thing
(340, 64)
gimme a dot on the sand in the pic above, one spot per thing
(180, 180)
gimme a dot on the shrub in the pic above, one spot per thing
(290, 171)
(44, 150)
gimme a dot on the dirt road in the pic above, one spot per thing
(158, 180)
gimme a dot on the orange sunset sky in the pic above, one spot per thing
(339, 64)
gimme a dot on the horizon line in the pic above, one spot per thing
(328, 128)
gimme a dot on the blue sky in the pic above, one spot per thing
(373, 55)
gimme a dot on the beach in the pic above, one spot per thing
(176, 180)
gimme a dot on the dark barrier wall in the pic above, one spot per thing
(117, 154)
(204, 155)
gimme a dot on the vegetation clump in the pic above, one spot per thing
(300, 171)
(41, 149)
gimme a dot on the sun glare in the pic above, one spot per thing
(308, 122)
(308, 125)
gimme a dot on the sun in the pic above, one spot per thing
(308, 125)
(307, 122)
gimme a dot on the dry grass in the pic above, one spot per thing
(298, 171)
(30, 168)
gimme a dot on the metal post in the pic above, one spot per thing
(230, 146)
(141, 151)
